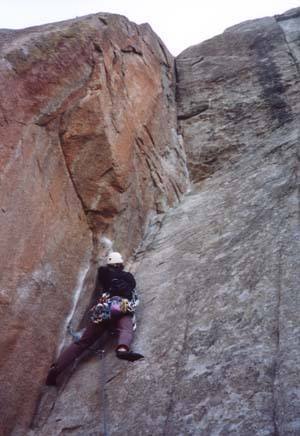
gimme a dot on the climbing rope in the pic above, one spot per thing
(99, 352)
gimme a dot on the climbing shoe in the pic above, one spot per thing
(129, 355)
(51, 377)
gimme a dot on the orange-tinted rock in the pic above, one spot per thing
(88, 144)
(218, 321)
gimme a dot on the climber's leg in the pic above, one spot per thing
(125, 336)
(90, 335)
(125, 331)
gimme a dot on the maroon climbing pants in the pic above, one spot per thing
(123, 326)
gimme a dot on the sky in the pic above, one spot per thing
(180, 24)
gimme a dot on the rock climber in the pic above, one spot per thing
(114, 310)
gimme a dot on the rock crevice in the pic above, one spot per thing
(77, 174)
(111, 131)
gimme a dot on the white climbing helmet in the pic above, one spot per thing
(114, 257)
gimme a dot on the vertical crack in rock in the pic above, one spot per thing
(294, 59)
(290, 49)
(149, 135)
(100, 58)
(69, 171)
(76, 295)
(177, 191)
(232, 214)
(298, 183)
(277, 338)
(3, 115)
(163, 50)
(72, 86)
(278, 387)
(172, 402)
(123, 74)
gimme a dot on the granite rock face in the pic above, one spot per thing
(223, 353)
(88, 145)
(246, 78)
(219, 283)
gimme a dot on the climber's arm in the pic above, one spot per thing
(100, 280)
(131, 281)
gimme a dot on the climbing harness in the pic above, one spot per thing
(109, 307)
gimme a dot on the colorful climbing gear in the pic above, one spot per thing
(109, 307)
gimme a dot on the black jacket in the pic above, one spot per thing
(115, 281)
